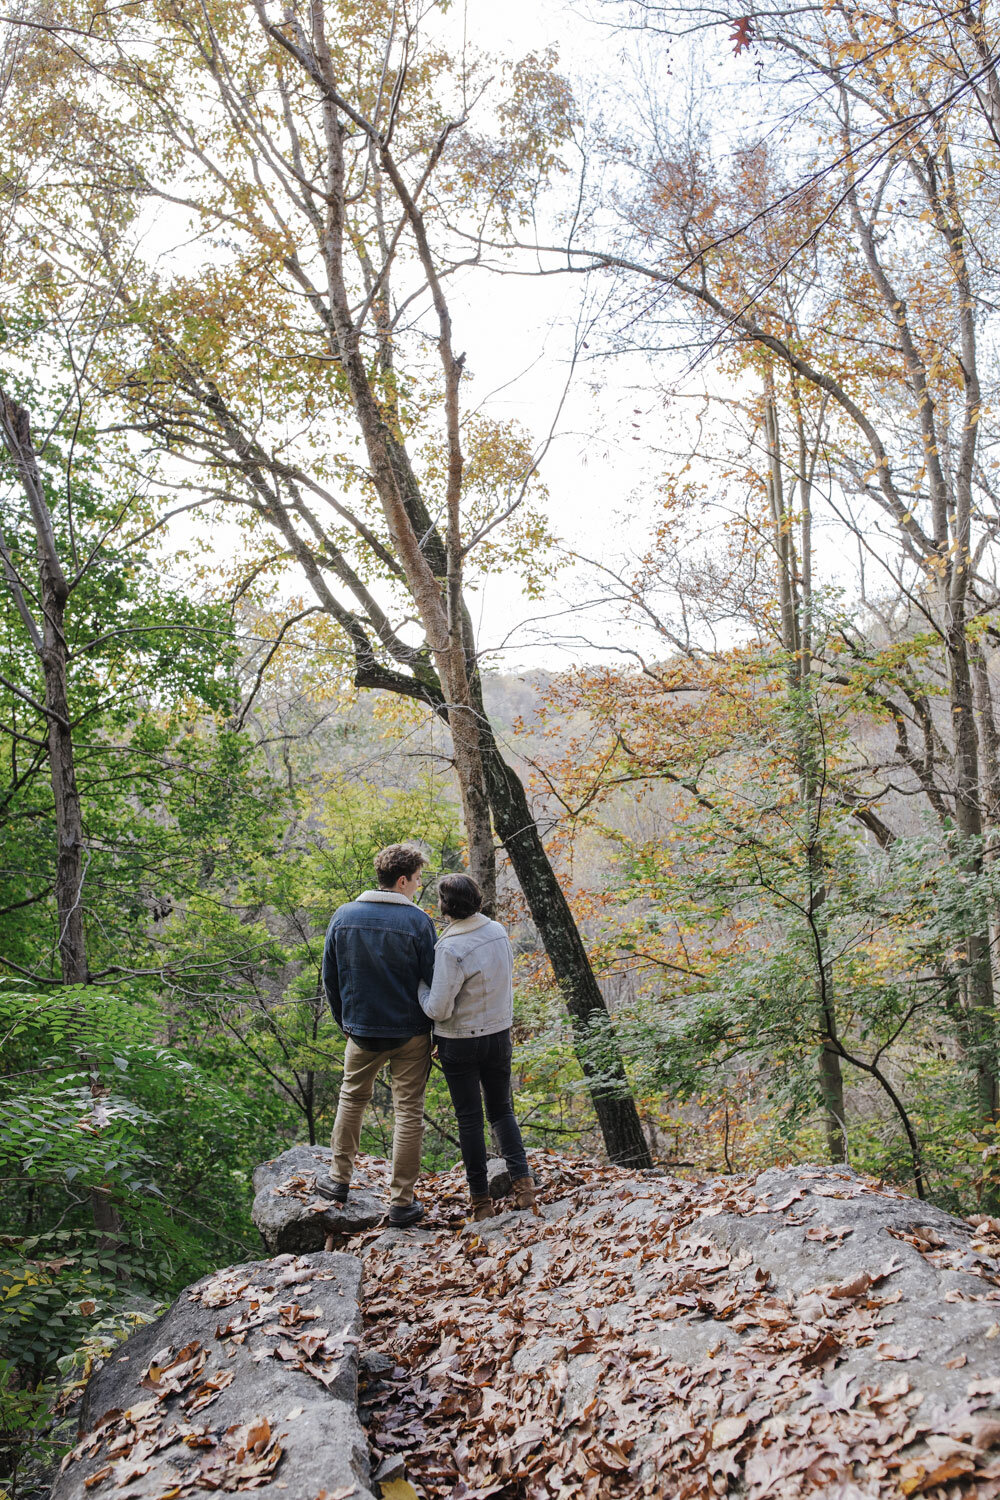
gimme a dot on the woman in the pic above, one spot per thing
(471, 1002)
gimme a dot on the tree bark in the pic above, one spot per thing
(70, 871)
(981, 1000)
(49, 641)
(50, 644)
(795, 599)
(596, 1047)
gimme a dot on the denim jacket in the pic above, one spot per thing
(378, 949)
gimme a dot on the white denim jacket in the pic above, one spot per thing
(473, 989)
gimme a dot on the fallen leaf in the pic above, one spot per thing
(728, 1429)
(142, 1410)
(985, 1433)
(856, 1287)
(258, 1434)
(206, 1393)
(828, 1346)
(953, 1469)
(528, 1435)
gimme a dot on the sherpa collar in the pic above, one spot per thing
(396, 897)
(465, 924)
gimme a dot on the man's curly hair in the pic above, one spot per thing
(396, 860)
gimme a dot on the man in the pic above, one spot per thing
(378, 949)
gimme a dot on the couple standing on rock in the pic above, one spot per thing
(388, 977)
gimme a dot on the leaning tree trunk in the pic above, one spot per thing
(596, 1047)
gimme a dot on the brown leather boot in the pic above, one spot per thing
(523, 1189)
(481, 1208)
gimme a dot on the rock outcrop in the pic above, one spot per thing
(293, 1216)
(809, 1333)
(498, 1178)
(249, 1381)
(824, 1235)
(812, 1333)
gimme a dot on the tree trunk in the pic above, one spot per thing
(795, 599)
(981, 1008)
(49, 640)
(69, 818)
(596, 1047)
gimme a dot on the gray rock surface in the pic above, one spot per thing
(807, 1330)
(248, 1381)
(498, 1177)
(820, 1229)
(292, 1216)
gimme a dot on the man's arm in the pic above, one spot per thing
(426, 941)
(438, 1000)
(331, 979)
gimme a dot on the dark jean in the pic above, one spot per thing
(477, 1068)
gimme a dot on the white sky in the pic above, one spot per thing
(603, 469)
(518, 334)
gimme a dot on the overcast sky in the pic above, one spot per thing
(616, 435)
(518, 334)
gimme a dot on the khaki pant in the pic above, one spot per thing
(409, 1069)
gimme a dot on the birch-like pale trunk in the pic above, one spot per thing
(48, 637)
(796, 607)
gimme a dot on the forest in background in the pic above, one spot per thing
(249, 508)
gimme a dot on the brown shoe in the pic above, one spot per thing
(523, 1189)
(481, 1208)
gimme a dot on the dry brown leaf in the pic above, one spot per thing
(258, 1434)
(919, 1483)
(728, 1429)
(205, 1394)
(856, 1287)
(984, 1433)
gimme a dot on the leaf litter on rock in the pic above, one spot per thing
(559, 1382)
(244, 1456)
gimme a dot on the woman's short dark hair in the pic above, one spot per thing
(459, 896)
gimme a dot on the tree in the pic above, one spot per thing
(47, 634)
(855, 281)
(321, 152)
